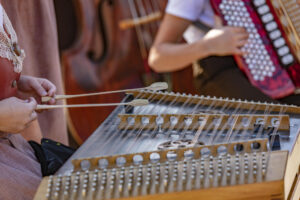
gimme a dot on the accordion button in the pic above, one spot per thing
(283, 50)
(271, 26)
(259, 2)
(288, 59)
(275, 34)
(267, 18)
(272, 69)
(263, 9)
(279, 42)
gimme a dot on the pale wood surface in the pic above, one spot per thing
(295, 195)
(292, 167)
(42, 190)
(258, 191)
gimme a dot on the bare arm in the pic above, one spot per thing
(167, 54)
(166, 46)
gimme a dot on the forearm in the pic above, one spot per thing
(168, 57)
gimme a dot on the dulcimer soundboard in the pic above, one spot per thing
(181, 146)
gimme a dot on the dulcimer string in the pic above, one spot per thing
(183, 132)
(123, 134)
(231, 134)
(259, 134)
(109, 133)
(214, 134)
(233, 119)
(135, 142)
(273, 135)
(168, 132)
(111, 142)
(126, 134)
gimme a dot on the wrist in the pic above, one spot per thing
(205, 48)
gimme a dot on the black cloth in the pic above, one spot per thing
(51, 155)
(222, 77)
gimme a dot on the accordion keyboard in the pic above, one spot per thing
(271, 60)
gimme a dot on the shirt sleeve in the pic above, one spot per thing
(186, 9)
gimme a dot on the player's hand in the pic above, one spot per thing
(226, 41)
(16, 114)
(37, 86)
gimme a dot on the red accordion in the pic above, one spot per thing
(272, 57)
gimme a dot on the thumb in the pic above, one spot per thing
(32, 103)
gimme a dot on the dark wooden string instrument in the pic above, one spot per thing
(99, 57)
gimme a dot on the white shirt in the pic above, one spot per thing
(192, 10)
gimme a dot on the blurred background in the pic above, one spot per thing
(104, 46)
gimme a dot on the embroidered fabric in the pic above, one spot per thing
(9, 44)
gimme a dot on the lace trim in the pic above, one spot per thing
(8, 42)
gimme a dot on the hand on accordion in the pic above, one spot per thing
(226, 41)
